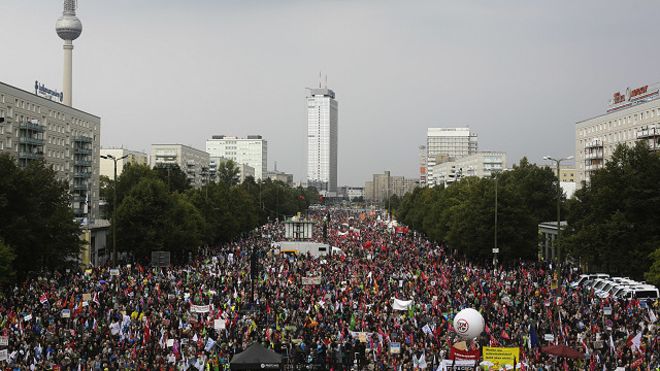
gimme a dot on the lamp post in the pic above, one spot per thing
(114, 207)
(559, 193)
(495, 249)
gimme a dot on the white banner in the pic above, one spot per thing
(114, 272)
(200, 308)
(401, 304)
(3, 355)
(4, 341)
(449, 365)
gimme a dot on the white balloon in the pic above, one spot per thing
(469, 323)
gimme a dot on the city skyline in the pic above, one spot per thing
(521, 75)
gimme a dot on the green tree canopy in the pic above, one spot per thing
(613, 222)
(36, 220)
(228, 173)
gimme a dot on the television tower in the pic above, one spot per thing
(68, 28)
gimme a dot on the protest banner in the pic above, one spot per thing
(453, 365)
(395, 348)
(200, 308)
(464, 355)
(311, 280)
(4, 341)
(501, 356)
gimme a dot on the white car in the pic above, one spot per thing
(586, 277)
(643, 292)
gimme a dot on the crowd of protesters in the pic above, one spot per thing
(199, 315)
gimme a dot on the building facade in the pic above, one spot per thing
(67, 139)
(107, 167)
(192, 161)
(632, 116)
(382, 185)
(449, 143)
(281, 176)
(480, 164)
(567, 174)
(252, 151)
(322, 136)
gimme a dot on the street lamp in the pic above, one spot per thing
(495, 249)
(114, 207)
(559, 193)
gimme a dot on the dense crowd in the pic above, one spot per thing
(199, 315)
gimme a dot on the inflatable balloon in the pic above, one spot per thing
(469, 323)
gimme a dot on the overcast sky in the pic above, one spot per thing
(519, 73)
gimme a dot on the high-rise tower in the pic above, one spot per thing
(68, 28)
(322, 140)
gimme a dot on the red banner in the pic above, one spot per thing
(464, 355)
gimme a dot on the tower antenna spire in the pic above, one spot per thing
(68, 28)
(319, 79)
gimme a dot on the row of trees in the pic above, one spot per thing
(462, 215)
(37, 228)
(158, 210)
(613, 222)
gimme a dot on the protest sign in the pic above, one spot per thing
(549, 337)
(66, 313)
(170, 343)
(607, 311)
(463, 355)
(362, 336)
(27, 318)
(219, 324)
(452, 365)
(200, 308)
(395, 348)
(87, 297)
(4, 341)
(501, 356)
(3, 355)
(311, 280)
(114, 272)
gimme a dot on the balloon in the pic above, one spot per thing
(469, 323)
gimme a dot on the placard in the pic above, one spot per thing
(549, 337)
(27, 317)
(114, 272)
(395, 348)
(607, 311)
(200, 308)
(451, 365)
(501, 356)
(66, 313)
(4, 341)
(219, 324)
(311, 280)
(86, 297)
(3, 355)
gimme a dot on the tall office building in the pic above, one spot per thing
(251, 151)
(322, 140)
(39, 127)
(632, 116)
(447, 144)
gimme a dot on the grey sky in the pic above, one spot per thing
(520, 73)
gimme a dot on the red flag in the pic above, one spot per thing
(43, 299)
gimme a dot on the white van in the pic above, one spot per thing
(586, 277)
(643, 292)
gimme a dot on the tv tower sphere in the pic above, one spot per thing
(68, 26)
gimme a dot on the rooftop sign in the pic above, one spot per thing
(43, 91)
(632, 97)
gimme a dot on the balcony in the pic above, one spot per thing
(82, 163)
(32, 141)
(594, 144)
(597, 155)
(82, 174)
(82, 151)
(79, 187)
(32, 126)
(593, 167)
(30, 155)
(83, 139)
(648, 132)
